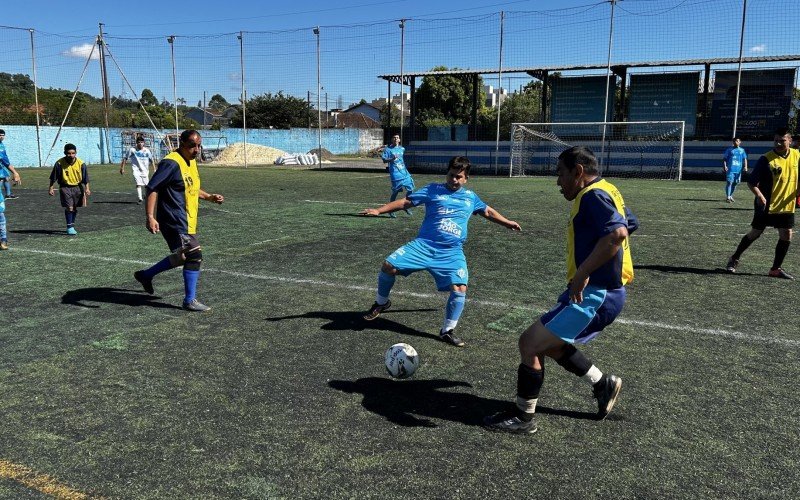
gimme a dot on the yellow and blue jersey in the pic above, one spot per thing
(447, 213)
(69, 175)
(597, 211)
(178, 186)
(776, 178)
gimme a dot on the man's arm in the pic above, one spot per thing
(496, 217)
(15, 175)
(85, 177)
(150, 212)
(401, 204)
(605, 250)
(753, 181)
(216, 198)
(53, 174)
(122, 165)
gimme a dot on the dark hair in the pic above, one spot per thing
(735, 139)
(2, 131)
(69, 147)
(186, 134)
(460, 163)
(579, 154)
(782, 131)
(140, 139)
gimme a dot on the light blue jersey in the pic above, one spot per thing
(2, 202)
(446, 213)
(393, 156)
(735, 159)
(4, 162)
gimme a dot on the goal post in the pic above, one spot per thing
(642, 149)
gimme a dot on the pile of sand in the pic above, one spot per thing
(256, 155)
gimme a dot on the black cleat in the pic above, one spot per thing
(448, 338)
(12, 197)
(606, 392)
(196, 306)
(732, 265)
(509, 421)
(146, 283)
(376, 310)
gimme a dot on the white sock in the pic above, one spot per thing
(139, 192)
(527, 405)
(593, 375)
(449, 324)
(380, 299)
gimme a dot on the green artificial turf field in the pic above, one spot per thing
(280, 391)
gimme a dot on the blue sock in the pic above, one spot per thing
(728, 190)
(3, 234)
(70, 216)
(159, 267)
(453, 310)
(733, 188)
(8, 187)
(190, 284)
(385, 284)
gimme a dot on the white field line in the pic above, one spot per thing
(712, 332)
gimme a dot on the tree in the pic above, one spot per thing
(148, 98)
(447, 99)
(520, 107)
(274, 110)
(218, 102)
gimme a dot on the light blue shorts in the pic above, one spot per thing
(734, 177)
(448, 266)
(4, 173)
(582, 322)
(406, 183)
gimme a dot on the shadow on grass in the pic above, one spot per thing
(685, 270)
(116, 203)
(351, 214)
(107, 295)
(354, 321)
(36, 231)
(735, 209)
(716, 200)
(408, 402)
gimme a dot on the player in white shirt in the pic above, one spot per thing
(141, 158)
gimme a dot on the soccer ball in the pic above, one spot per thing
(402, 360)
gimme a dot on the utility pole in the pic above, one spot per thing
(106, 91)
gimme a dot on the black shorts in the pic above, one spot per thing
(762, 220)
(71, 196)
(179, 241)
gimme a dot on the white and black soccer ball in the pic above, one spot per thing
(402, 360)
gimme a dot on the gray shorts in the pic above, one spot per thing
(72, 196)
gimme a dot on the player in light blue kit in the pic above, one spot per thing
(7, 172)
(3, 232)
(392, 156)
(732, 162)
(438, 246)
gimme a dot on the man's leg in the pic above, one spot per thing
(733, 187)
(191, 275)
(746, 241)
(173, 260)
(3, 232)
(728, 190)
(452, 313)
(69, 215)
(386, 279)
(395, 194)
(781, 249)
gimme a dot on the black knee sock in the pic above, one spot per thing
(746, 242)
(574, 361)
(780, 253)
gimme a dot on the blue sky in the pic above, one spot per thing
(360, 39)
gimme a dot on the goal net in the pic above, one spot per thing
(652, 150)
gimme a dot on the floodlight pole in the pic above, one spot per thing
(244, 96)
(171, 40)
(402, 46)
(106, 96)
(36, 98)
(319, 108)
(499, 93)
(608, 82)
(739, 77)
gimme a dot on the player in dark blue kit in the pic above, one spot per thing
(438, 246)
(175, 192)
(599, 266)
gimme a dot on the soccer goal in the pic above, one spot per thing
(652, 150)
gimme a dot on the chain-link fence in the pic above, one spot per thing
(724, 66)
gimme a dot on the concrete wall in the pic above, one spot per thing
(22, 149)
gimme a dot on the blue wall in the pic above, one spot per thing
(21, 142)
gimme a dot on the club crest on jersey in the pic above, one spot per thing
(461, 272)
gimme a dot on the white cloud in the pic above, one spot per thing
(759, 48)
(82, 51)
